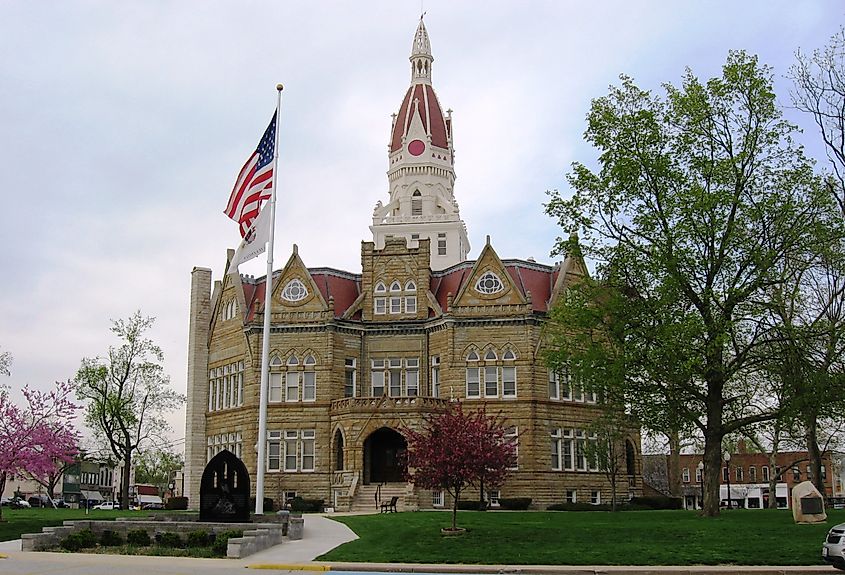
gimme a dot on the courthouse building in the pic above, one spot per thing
(358, 357)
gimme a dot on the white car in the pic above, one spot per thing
(106, 506)
(833, 549)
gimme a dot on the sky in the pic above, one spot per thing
(124, 124)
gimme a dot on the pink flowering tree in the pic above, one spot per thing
(40, 435)
(455, 450)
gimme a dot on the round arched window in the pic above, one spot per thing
(295, 290)
(489, 283)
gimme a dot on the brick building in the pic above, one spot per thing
(750, 474)
(358, 357)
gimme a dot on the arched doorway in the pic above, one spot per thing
(338, 451)
(384, 456)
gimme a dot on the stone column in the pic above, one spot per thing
(198, 331)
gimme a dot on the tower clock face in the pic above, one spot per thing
(416, 147)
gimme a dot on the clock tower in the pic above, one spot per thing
(421, 172)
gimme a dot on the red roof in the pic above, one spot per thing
(345, 287)
(426, 101)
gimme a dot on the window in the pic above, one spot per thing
(394, 287)
(411, 286)
(274, 452)
(739, 474)
(435, 376)
(395, 374)
(377, 378)
(764, 472)
(473, 379)
(809, 473)
(275, 394)
(595, 497)
(292, 386)
(412, 377)
(416, 203)
(685, 475)
(491, 381)
(489, 283)
(308, 450)
(396, 305)
(554, 384)
(556, 442)
(560, 384)
(290, 450)
(725, 474)
(437, 499)
(380, 303)
(509, 376)
(568, 450)
(570, 496)
(824, 473)
(349, 380)
(411, 304)
(580, 450)
(752, 474)
(796, 474)
(512, 436)
(493, 497)
(441, 244)
(294, 291)
(309, 379)
(225, 386)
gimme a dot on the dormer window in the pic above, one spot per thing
(294, 291)
(489, 283)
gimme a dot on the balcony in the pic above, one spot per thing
(387, 405)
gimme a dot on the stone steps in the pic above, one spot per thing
(365, 501)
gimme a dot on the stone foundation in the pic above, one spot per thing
(256, 537)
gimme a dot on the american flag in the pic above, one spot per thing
(254, 182)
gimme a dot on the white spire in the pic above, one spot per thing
(421, 58)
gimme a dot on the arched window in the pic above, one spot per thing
(473, 388)
(472, 356)
(630, 460)
(410, 286)
(380, 288)
(508, 356)
(509, 374)
(489, 283)
(294, 291)
(309, 379)
(292, 360)
(416, 203)
(490, 355)
(395, 286)
(275, 361)
(338, 451)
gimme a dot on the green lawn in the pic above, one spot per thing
(17, 521)
(739, 537)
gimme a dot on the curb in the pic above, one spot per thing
(290, 566)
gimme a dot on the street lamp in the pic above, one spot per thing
(727, 455)
(701, 481)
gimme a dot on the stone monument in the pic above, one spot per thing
(807, 504)
(224, 489)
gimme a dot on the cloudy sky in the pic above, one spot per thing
(124, 124)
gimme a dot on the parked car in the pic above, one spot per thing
(150, 506)
(106, 506)
(61, 503)
(833, 549)
(5, 501)
(40, 501)
(18, 503)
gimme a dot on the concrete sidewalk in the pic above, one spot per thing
(321, 535)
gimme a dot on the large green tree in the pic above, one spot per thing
(700, 205)
(127, 394)
(156, 466)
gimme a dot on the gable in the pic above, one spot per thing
(488, 283)
(294, 290)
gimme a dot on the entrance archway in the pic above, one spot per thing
(384, 456)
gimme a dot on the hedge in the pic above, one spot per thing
(221, 540)
(515, 503)
(307, 505)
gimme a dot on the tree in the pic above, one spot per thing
(5, 363)
(35, 437)
(819, 90)
(456, 449)
(700, 205)
(606, 446)
(127, 393)
(155, 467)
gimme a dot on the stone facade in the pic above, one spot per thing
(357, 358)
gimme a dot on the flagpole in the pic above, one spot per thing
(265, 347)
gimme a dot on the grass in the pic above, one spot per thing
(18, 521)
(739, 537)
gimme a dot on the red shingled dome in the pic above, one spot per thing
(431, 115)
